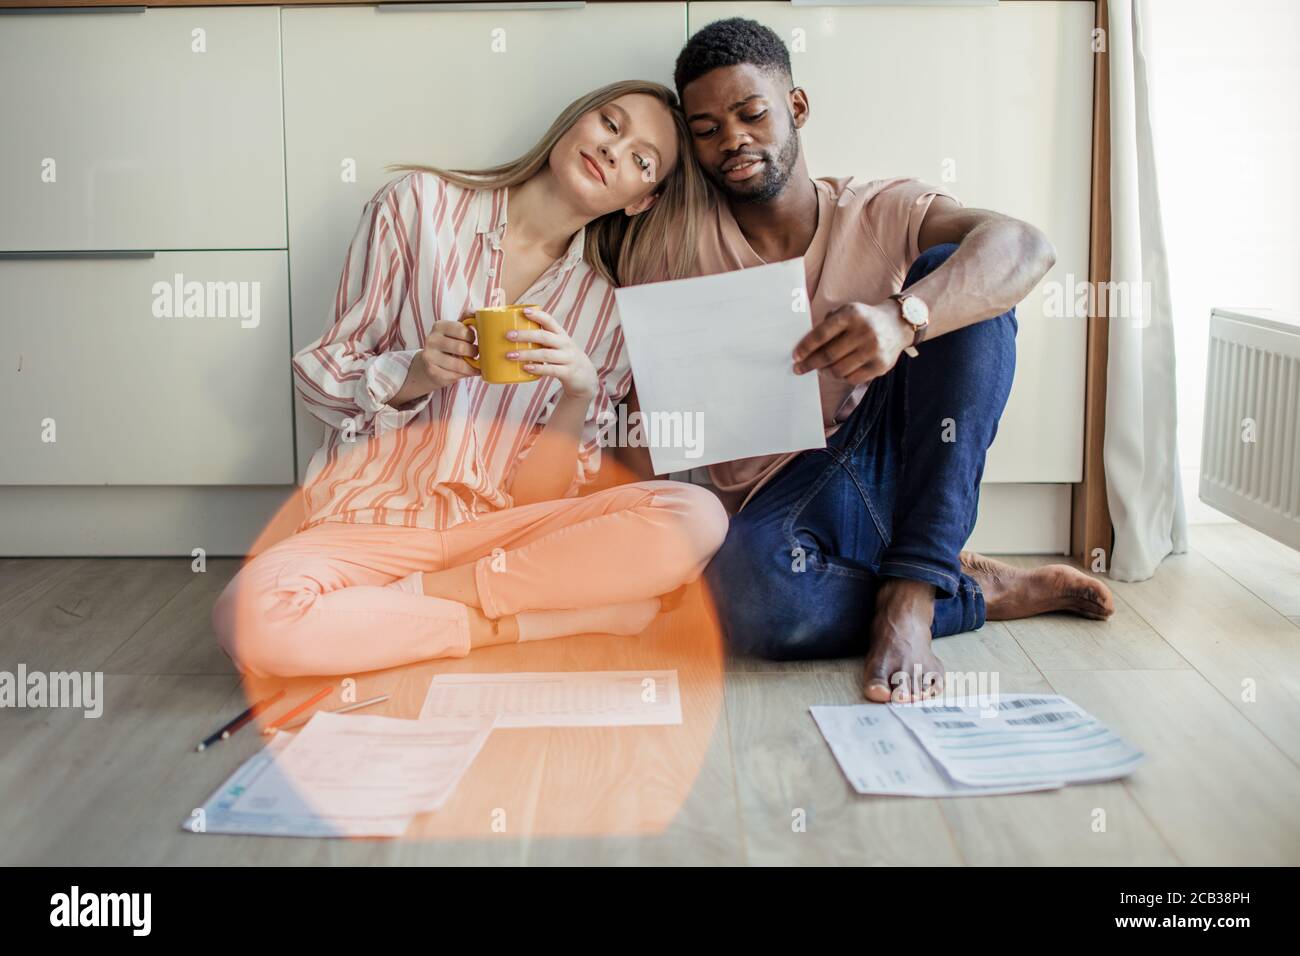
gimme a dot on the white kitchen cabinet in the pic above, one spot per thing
(994, 104)
(365, 87)
(109, 380)
(157, 129)
(177, 432)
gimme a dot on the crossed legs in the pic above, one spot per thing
(342, 598)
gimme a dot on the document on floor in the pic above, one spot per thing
(879, 755)
(714, 367)
(345, 775)
(1019, 738)
(562, 699)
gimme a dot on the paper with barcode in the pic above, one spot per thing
(1018, 738)
(879, 755)
(561, 699)
(713, 359)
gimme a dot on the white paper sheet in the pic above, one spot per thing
(880, 756)
(217, 815)
(563, 699)
(346, 775)
(1030, 738)
(713, 362)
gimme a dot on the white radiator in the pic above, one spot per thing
(1250, 452)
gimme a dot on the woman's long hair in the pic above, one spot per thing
(623, 249)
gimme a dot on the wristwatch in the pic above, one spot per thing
(916, 314)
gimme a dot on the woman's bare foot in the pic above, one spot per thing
(673, 599)
(1011, 593)
(629, 618)
(901, 665)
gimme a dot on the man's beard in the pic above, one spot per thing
(776, 173)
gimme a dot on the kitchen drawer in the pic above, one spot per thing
(136, 391)
(152, 144)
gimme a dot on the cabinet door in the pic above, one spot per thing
(111, 378)
(365, 88)
(993, 104)
(158, 129)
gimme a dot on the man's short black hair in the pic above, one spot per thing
(728, 43)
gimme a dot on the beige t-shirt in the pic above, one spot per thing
(866, 240)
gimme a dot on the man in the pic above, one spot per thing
(858, 546)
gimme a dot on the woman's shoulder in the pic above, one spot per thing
(416, 184)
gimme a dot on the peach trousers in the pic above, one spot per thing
(334, 599)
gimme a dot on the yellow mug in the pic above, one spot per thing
(491, 326)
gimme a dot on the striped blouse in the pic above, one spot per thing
(428, 250)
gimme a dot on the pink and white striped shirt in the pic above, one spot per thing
(428, 250)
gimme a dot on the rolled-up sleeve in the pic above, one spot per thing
(893, 216)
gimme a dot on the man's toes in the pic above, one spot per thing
(879, 669)
(910, 684)
(933, 681)
(1104, 599)
(1091, 597)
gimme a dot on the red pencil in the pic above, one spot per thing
(314, 699)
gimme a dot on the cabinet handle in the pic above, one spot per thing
(472, 7)
(893, 3)
(19, 11)
(82, 254)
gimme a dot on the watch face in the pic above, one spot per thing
(915, 311)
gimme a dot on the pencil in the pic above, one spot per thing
(342, 710)
(224, 732)
(315, 698)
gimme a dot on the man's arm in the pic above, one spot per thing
(997, 262)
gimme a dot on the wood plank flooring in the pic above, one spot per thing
(1200, 667)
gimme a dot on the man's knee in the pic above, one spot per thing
(988, 345)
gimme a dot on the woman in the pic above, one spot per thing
(440, 508)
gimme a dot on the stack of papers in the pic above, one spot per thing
(345, 776)
(975, 747)
(364, 776)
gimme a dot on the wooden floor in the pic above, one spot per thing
(1200, 667)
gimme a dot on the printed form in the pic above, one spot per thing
(879, 755)
(972, 747)
(1030, 738)
(345, 775)
(563, 699)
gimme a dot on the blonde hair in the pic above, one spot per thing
(623, 249)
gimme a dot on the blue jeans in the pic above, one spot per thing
(894, 494)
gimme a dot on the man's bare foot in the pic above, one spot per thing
(900, 663)
(1011, 593)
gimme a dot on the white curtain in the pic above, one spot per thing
(1143, 483)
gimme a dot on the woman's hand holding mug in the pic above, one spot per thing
(554, 354)
(441, 362)
(443, 357)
